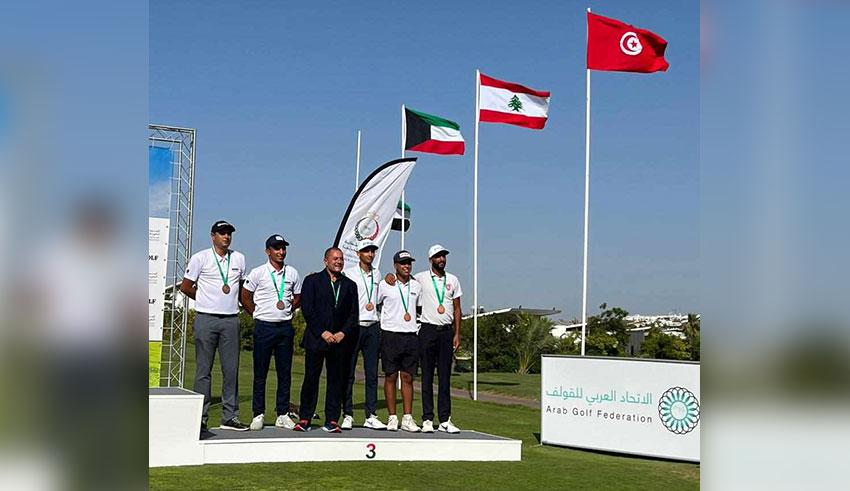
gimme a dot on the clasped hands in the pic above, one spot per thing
(331, 338)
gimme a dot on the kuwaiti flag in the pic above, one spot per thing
(431, 134)
(507, 102)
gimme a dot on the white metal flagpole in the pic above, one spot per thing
(357, 171)
(586, 202)
(403, 138)
(475, 243)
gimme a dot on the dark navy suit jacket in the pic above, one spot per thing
(317, 305)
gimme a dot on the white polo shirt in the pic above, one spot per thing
(366, 282)
(259, 281)
(392, 310)
(202, 269)
(429, 302)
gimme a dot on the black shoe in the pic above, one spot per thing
(234, 424)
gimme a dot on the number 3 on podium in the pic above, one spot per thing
(371, 451)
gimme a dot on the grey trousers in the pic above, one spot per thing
(213, 332)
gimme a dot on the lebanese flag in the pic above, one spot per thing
(507, 102)
(431, 134)
(616, 46)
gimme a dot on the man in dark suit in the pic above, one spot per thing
(329, 304)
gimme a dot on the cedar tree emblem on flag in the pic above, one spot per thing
(515, 104)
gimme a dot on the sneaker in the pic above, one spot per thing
(285, 422)
(235, 425)
(427, 426)
(331, 427)
(347, 422)
(392, 423)
(258, 422)
(407, 424)
(372, 422)
(449, 427)
(302, 425)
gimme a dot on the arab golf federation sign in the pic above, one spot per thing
(636, 406)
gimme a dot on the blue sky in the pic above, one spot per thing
(277, 91)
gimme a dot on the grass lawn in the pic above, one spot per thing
(511, 384)
(541, 467)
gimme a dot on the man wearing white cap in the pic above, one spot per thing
(439, 337)
(367, 279)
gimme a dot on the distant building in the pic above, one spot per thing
(671, 324)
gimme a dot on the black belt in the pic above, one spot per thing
(368, 324)
(439, 327)
(219, 316)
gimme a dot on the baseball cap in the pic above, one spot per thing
(221, 226)
(276, 241)
(436, 249)
(366, 243)
(402, 256)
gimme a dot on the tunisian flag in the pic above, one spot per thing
(616, 46)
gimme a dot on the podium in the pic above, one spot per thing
(175, 419)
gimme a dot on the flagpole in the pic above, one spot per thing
(475, 242)
(586, 204)
(403, 138)
(357, 171)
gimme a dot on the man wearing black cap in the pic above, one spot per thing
(271, 293)
(367, 279)
(213, 279)
(399, 346)
(329, 304)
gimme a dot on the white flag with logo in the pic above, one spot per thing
(370, 214)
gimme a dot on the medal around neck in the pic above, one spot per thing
(441, 310)
(407, 317)
(369, 306)
(225, 289)
(280, 305)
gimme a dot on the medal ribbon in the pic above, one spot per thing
(282, 283)
(223, 276)
(442, 296)
(371, 285)
(335, 287)
(403, 302)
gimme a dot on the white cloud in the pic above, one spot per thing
(158, 199)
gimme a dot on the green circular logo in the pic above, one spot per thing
(679, 410)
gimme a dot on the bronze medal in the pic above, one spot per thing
(369, 306)
(279, 305)
(226, 289)
(407, 317)
(441, 310)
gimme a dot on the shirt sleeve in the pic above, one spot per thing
(193, 269)
(252, 281)
(379, 297)
(296, 287)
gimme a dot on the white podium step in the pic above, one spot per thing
(174, 421)
(276, 445)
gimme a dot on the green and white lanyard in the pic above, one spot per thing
(370, 287)
(226, 287)
(335, 287)
(404, 302)
(440, 296)
(280, 290)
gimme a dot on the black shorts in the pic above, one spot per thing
(399, 352)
